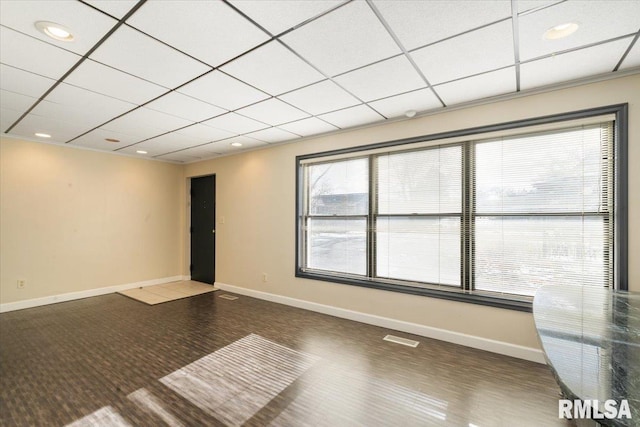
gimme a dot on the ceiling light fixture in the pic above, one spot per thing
(410, 113)
(560, 31)
(55, 31)
(111, 140)
(42, 135)
(236, 144)
(141, 152)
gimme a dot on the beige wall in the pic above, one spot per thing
(73, 220)
(256, 197)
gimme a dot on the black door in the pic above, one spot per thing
(203, 228)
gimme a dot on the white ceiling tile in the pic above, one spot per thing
(529, 5)
(225, 147)
(353, 116)
(347, 38)
(162, 144)
(417, 23)
(15, 101)
(320, 98)
(272, 135)
(273, 69)
(82, 117)
(138, 54)
(23, 82)
(179, 157)
(308, 127)
(70, 103)
(273, 111)
(482, 50)
(146, 123)
(184, 106)
(219, 89)
(8, 117)
(572, 65)
(129, 127)
(60, 131)
(599, 20)
(277, 16)
(29, 54)
(87, 25)
(162, 121)
(396, 106)
(117, 8)
(97, 139)
(633, 57)
(111, 82)
(382, 79)
(202, 152)
(66, 96)
(205, 133)
(208, 30)
(235, 123)
(478, 87)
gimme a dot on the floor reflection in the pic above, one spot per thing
(103, 417)
(235, 382)
(344, 398)
(149, 403)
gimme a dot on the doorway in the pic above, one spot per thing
(203, 229)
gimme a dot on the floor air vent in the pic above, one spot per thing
(403, 341)
(227, 296)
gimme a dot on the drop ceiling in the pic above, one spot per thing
(182, 80)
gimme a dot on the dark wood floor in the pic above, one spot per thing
(207, 361)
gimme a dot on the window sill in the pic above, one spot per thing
(453, 294)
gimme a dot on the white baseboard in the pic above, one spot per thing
(52, 299)
(500, 347)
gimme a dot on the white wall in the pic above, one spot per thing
(256, 196)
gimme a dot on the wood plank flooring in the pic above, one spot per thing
(208, 361)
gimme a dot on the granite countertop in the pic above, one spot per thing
(591, 340)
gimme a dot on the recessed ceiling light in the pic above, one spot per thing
(141, 152)
(236, 144)
(42, 135)
(111, 140)
(560, 31)
(55, 31)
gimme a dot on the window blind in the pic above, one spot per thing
(417, 220)
(336, 224)
(542, 210)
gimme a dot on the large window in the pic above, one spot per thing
(486, 215)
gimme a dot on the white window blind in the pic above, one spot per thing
(418, 215)
(543, 210)
(336, 226)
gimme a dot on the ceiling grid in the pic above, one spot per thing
(189, 80)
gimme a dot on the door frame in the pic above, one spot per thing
(187, 229)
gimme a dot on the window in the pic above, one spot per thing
(484, 215)
(337, 217)
(418, 214)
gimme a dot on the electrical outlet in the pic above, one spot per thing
(264, 277)
(21, 284)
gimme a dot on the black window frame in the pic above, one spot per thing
(620, 262)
